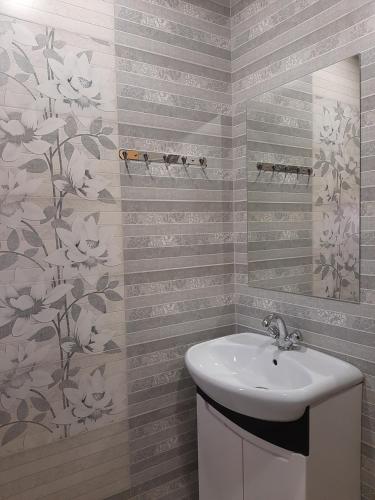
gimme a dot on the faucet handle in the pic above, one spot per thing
(295, 337)
(266, 322)
(272, 330)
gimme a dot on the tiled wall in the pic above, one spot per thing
(62, 346)
(279, 130)
(173, 73)
(275, 42)
(174, 67)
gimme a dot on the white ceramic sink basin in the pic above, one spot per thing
(248, 374)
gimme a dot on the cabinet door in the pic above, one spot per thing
(220, 457)
(271, 473)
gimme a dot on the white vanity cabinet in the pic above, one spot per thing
(271, 473)
(237, 465)
(220, 457)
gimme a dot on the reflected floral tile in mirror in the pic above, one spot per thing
(336, 193)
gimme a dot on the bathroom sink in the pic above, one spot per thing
(248, 374)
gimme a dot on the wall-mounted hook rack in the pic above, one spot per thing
(168, 159)
(285, 169)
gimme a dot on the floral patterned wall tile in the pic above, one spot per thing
(93, 398)
(62, 365)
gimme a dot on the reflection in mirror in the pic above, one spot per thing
(303, 162)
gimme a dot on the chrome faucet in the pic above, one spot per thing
(277, 329)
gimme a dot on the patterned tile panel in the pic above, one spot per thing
(63, 414)
(59, 258)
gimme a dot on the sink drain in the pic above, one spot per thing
(261, 387)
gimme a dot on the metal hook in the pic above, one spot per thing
(298, 172)
(309, 173)
(203, 162)
(147, 160)
(123, 154)
(260, 170)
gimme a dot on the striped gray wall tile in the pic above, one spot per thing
(174, 96)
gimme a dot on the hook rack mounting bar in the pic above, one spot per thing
(286, 169)
(169, 159)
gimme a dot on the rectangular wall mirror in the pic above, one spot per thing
(303, 163)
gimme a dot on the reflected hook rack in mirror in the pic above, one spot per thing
(285, 169)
